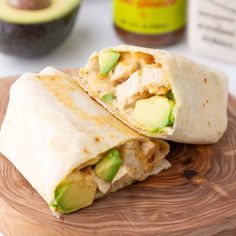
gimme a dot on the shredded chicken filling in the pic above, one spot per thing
(134, 77)
(139, 160)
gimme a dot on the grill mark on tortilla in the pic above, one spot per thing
(62, 87)
(97, 139)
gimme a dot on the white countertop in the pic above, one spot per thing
(94, 31)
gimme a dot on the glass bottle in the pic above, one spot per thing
(150, 22)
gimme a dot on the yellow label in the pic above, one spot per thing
(150, 16)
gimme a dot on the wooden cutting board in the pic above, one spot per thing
(195, 197)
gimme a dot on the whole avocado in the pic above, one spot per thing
(32, 28)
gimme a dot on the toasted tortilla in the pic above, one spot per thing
(52, 127)
(201, 96)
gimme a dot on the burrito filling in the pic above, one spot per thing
(133, 84)
(119, 167)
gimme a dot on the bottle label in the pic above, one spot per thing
(212, 30)
(150, 16)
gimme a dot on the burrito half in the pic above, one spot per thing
(159, 94)
(70, 149)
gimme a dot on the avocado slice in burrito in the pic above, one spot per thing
(159, 94)
(70, 149)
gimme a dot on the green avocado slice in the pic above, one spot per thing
(171, 119)
(107, 60)
(75, 192)
(108, 98)
(108, 167)
(56, 10)
(170, 95)
(154, 113)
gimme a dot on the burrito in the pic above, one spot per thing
(70, 149)
(159, 94)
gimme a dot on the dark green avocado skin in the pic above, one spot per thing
(37, 39)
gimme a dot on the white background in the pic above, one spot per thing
(94, 31)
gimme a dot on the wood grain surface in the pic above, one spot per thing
(195, 197)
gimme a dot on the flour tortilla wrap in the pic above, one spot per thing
(52, 129)
(199, 93)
